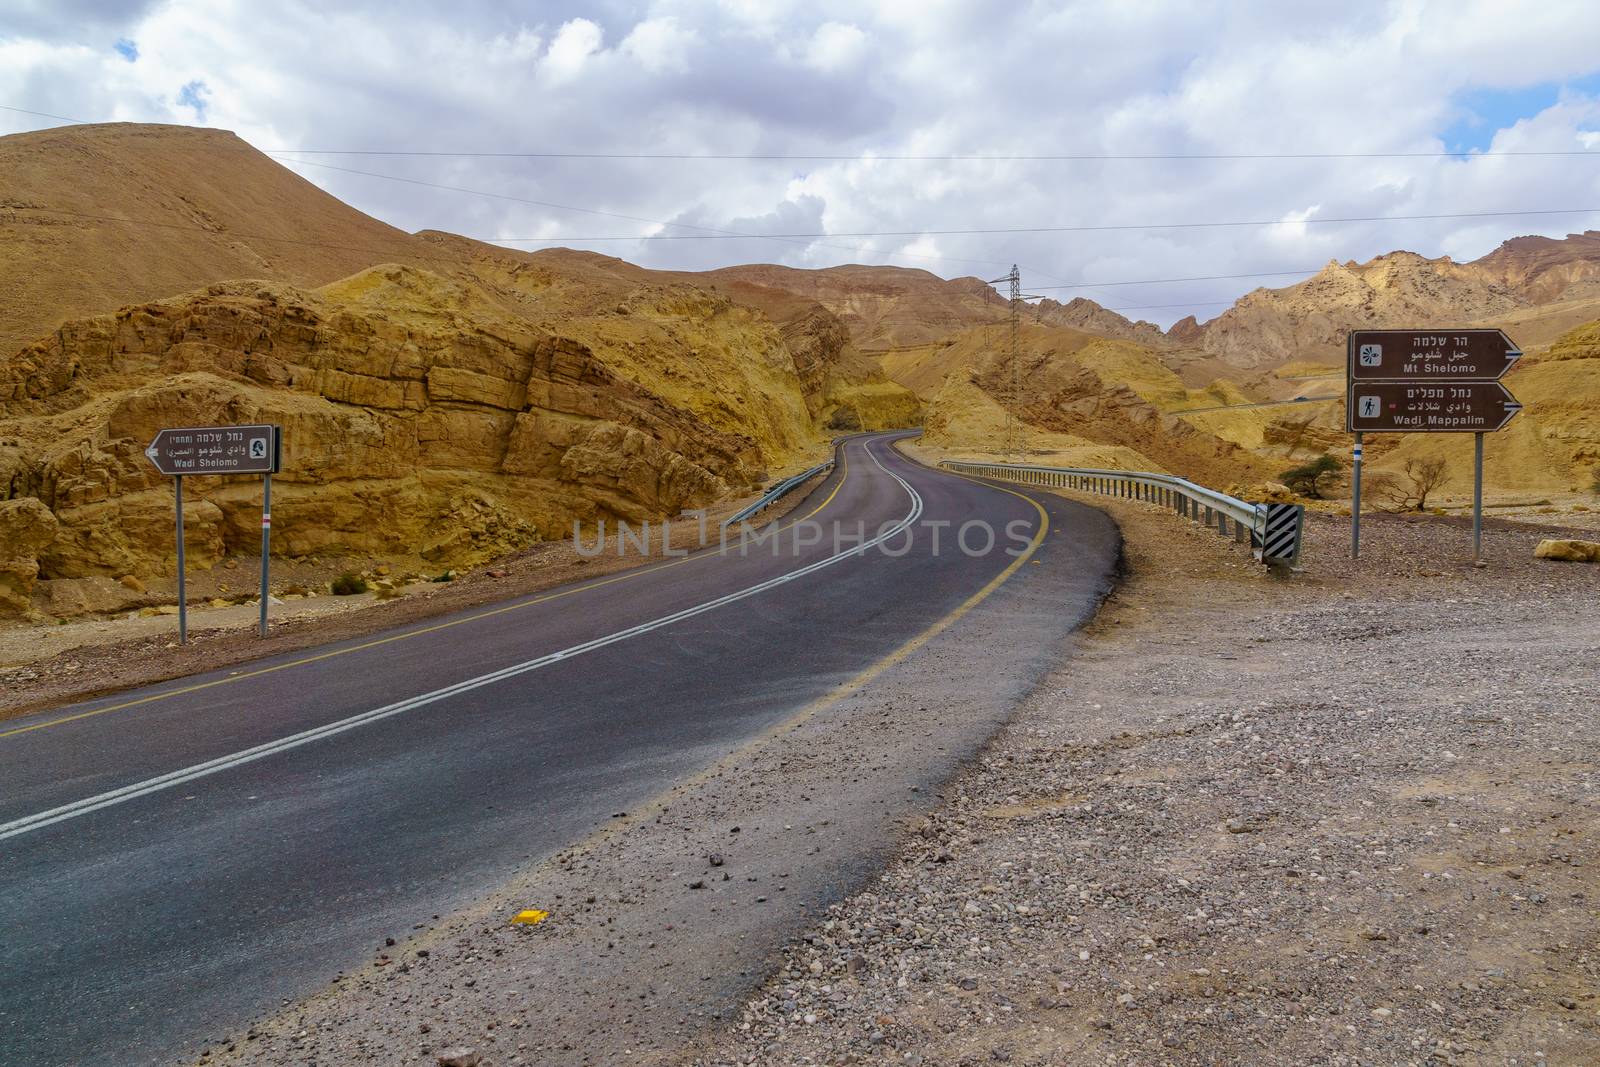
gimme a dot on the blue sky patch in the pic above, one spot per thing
(1481, 113)
(127, 49)
(193, 96)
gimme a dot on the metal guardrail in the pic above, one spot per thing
(1272, 530)
(772, 495)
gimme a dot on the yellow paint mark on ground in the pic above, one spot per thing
(530, 917)
(844, 473)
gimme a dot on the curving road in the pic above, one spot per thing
(177, 859)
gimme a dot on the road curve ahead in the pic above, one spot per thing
(178, 859)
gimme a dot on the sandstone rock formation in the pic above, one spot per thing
(26, 527)
(407, 422)
(1569, 549)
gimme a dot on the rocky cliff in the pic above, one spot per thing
(419, 415)
(1309, 321)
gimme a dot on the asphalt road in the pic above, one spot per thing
(178, 859)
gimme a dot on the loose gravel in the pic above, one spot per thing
(1348, 818)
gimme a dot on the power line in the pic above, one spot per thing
(1197, 278)
(490, 241)
(873, 157)
(867, 156)
(708, 232)
(716, 233)
(991, 231)
(1155, 307)
(898, 233)
(44, 115)
(234, 234)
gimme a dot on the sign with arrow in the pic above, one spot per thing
(1434, 355)
(1427, 381)
(216, 450)
(1430, 407)
(187, 451)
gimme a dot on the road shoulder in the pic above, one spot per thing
(1348, 818)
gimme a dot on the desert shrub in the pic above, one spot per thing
(447, 576)
(1308, 479)
(349, 585)
(1409, 490)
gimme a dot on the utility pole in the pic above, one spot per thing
(1014, 432)
(1016, 390)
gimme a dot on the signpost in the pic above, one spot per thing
(1429, 407)
(194, 450)
(1427, 381)
(1439, 355)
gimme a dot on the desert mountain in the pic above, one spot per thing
(440, 398)
(1084, 314)
(883, 308)
(95, 217)
(1083, 399)
(1308, 321)
(1543, 270)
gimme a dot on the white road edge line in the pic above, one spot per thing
(200, 770)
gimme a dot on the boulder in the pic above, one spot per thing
(95, 595)
(1569, 549)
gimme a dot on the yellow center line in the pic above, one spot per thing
(844, 473)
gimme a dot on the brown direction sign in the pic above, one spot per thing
(216, 450)
(1436, 355)
(1429, 407)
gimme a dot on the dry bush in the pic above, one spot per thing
(1408, 490)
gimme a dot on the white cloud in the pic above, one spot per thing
(660, 45)
(574, 44)
(865, 81)
(835, 46)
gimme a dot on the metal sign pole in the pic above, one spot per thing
(1355, 500)
(1477, 497)
(266, 544)
(183, 600)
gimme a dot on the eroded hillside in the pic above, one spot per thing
(97, 216)
(418, 410)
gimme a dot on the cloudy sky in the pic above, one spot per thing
(838, 89)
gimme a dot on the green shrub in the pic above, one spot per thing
(349, 585)
(1307, 479)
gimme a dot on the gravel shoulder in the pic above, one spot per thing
(1348, 818)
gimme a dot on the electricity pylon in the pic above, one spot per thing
(1014, 432)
